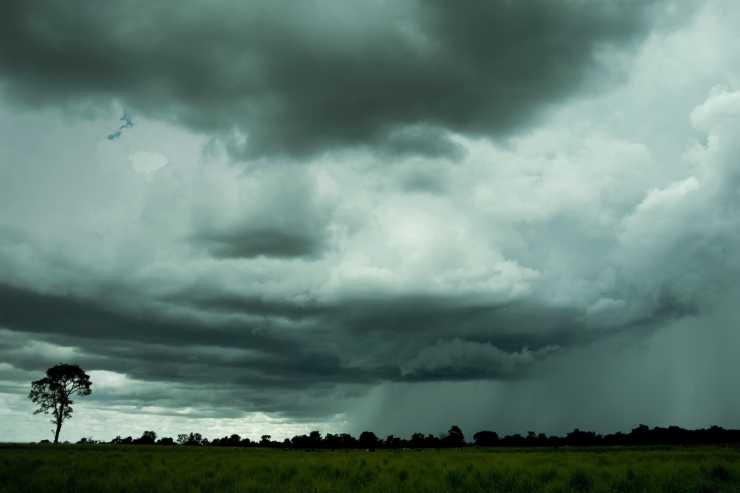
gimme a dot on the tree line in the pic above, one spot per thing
(454, 438)
(53, 396)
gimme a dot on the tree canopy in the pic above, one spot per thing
(53, 393)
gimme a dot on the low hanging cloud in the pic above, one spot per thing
(274, 78)
(270, 212)
(468, 360)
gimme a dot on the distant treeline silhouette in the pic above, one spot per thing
(641, 435)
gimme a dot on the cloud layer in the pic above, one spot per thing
(498, 203)
(273, 78)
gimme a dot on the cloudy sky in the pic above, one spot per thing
(385, 215)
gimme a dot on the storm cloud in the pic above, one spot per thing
(384, 215)
(276, 78)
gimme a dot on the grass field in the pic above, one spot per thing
(137, 469)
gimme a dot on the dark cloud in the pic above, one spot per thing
(296, 80)
(243, 368)
(252, 243)
(101, 319)
(215, 300)
(273, 348)
(275, 213)
(466, 360)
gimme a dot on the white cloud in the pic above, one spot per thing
(720, 105)
(147, 163)
(671, 194)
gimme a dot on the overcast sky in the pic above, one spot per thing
(385, 215)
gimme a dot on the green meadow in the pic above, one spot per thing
(136, 469)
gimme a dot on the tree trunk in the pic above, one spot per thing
(59, 427)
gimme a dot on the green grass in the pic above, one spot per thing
(193, 469)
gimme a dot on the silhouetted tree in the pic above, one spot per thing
(53, 393)
(392, 442)
(455, 437)
(190, 439)
(265, 441)
(368, 440)
(347, 441)
(641, 435)
(330, 441)
(486, 438)
(314, 439)
(515, 440)
(122, 441)
(417, 440)
(147, 438)
(230, 441)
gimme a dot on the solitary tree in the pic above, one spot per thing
(52, 394)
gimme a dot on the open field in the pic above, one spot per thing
(107, 468)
